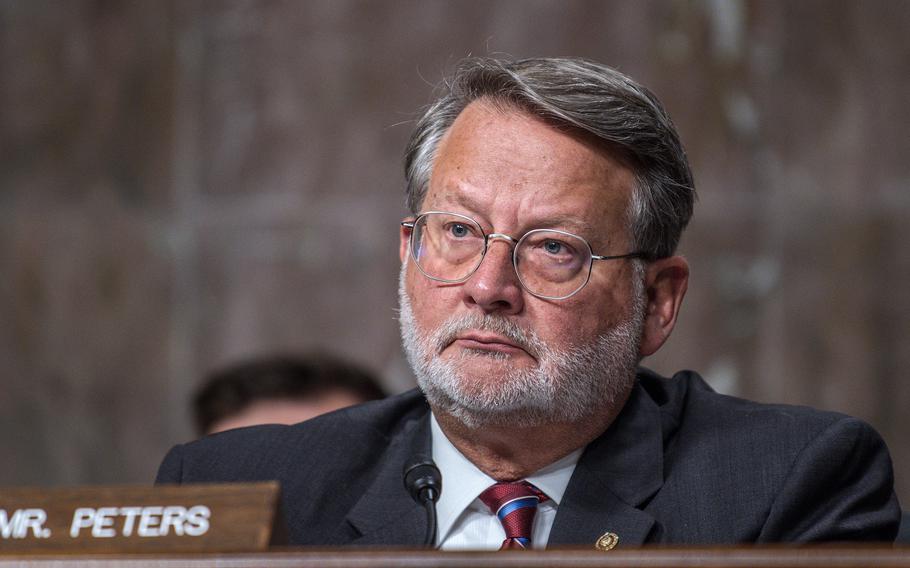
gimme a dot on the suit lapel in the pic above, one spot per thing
(386, 514)
(616, 474)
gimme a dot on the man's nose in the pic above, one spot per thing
(494, 286)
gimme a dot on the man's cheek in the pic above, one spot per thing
(430, 297)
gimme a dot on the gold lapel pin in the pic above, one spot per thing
(607, 542)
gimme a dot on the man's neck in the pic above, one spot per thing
(510, 453)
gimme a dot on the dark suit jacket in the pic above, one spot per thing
(681, 464)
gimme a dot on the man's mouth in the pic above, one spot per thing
(486, 341)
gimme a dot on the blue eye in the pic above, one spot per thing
(459, 230)
(553, 247)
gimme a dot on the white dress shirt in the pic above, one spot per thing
(464, 522)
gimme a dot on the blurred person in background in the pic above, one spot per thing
(280, 389)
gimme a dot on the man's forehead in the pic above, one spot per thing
(516, 143)
(495, 157)
(482, 124)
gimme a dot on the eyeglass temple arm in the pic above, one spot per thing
(641, 255)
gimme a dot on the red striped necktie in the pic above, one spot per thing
(515, 505)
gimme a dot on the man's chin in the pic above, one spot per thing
(470, 389)
(484, 365)
(514, 415)
(477, 400)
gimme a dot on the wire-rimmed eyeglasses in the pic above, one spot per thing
(550, 264)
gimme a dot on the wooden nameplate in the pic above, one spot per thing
(163, 518)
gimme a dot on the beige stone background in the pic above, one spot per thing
(185, 183)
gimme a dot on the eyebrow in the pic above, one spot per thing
(562, 222)
(566, 223)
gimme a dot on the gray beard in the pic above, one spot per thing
(568, 385)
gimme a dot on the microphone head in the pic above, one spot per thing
(422, 478)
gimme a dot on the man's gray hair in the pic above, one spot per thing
(584, 96)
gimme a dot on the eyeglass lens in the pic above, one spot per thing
(550, 263)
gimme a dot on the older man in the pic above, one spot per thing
(538, 268)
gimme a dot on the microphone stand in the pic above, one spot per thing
(424, 482)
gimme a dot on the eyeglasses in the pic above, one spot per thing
(550, 264)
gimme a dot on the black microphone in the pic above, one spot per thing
(424, 482)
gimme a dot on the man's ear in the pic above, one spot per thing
(666, 281)
(404, 242)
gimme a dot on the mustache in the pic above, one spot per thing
(453, 327)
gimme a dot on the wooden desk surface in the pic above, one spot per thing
(848, 556)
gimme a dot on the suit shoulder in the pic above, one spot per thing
(698, 408)
(775, 471)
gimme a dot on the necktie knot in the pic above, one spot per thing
(515, 505)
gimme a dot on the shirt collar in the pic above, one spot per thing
(554, 478)
(457, 496)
